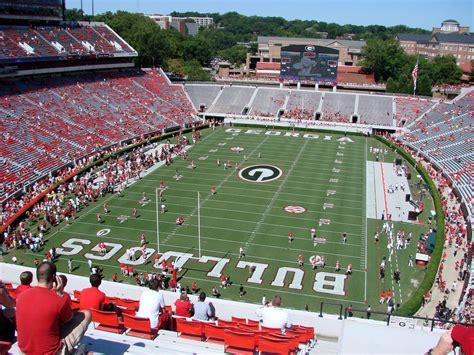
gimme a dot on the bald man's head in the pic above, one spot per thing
(45, 272)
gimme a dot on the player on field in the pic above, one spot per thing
(313, 262)
(106, 208)
(259, 154)
(163, 208)
(161, 196)
(225, 165)
(144, 254)
(376, 236)
(162, 184)
(179, 221)
(344, 237)
(193, 164)
(291, 236)
(241, 253)
(349, 269)
(337, 268)
(218, 163)
(144, 197)
(134, 212)
(382, 297)
(142, 239)
(213, 190)
(300, 260)
(99, 218)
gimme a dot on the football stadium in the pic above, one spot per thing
(292, 205)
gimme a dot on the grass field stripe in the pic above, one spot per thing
(238, 211)
(194, 225)
(364, 231)
(283, 193)
(346, 184)
(218, 186)
(270, 205)
(233, 219)
(248, 204)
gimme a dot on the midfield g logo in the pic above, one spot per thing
(260, 173)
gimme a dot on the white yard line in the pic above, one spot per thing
(240, 211)
(240, 203)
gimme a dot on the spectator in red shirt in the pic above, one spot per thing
(45, 322)
(183, 307)
(26, 278)
(92, 297)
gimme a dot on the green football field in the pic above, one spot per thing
(325, 177)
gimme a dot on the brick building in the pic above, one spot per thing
(450, 38)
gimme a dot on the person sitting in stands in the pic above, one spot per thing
(202, 309)
(92, 297)
(7, 315)
(26, 277)
(45, 322)
(183, 307)
(273, 316)
(152, 305)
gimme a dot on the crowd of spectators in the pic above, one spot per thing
(457, 243)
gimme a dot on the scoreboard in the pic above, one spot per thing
(308, 63)
(49, 10)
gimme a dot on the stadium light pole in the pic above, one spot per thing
(157, 222)
(92, 10)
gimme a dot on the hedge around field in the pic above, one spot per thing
(413, 304)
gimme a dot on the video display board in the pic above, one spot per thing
(309, 63)
(32, 9)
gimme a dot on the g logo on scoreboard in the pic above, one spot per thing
(309, 48)
(260, 173)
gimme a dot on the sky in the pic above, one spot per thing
(414, 13)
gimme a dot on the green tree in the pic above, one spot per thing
(444, 70)
(383, 58)
(392, 85)
(236, 54)
(194, 71)
(424, 85)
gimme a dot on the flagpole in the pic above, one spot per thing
(157, 222)
(199, 225)
(414, 74)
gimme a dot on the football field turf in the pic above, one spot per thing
(326, 177)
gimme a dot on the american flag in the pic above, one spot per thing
(414, 75)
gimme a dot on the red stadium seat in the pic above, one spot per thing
(190, 329)
(252, 322)
(75, 304)
(126, 303)
(270, 345)
(227, 323)
(107, 321)
(139, 327)
(4, 347)
(215, 333)
(271, 330)
(239, 320)
(293, 340)
(239, 342)
(77, 294)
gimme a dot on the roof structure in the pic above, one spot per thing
(464, 38)
(317, 41)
